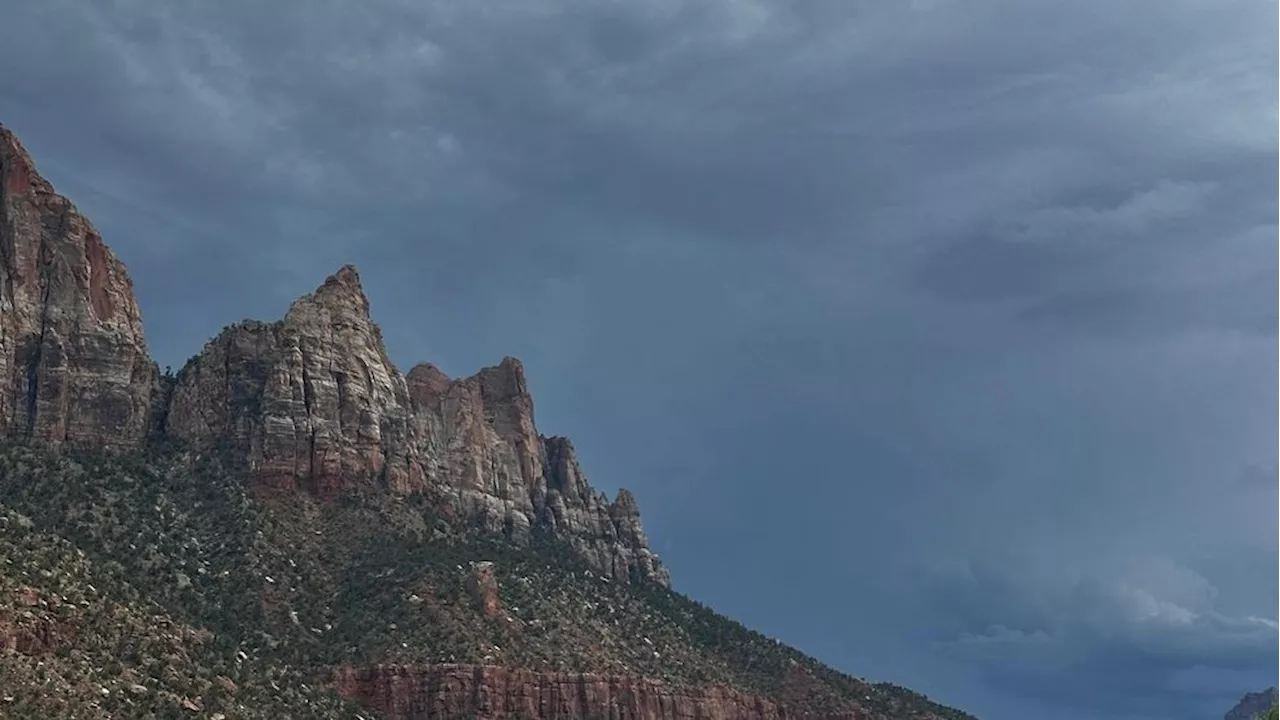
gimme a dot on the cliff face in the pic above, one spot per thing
(312, 402)
(470, 691)
(316, 406)
(73, 359)
(313, 407)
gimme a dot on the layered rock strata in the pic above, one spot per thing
(494, 693)
(73, 359)
(312, 402)
(316, 405)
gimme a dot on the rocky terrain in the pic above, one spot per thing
(291, 527)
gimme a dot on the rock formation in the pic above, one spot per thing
(482, 584)
(472, 691)
(316, 405)
(312, 402)
(73, 359)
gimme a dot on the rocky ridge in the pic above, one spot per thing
(291, 515)
(313, 402)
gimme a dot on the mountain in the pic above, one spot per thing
(1253, 705)
(291, 527)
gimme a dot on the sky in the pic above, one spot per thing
(937, 338)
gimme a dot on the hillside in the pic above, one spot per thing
(290, 527)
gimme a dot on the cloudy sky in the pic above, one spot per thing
(936, 337)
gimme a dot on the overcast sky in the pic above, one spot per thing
(937, 338)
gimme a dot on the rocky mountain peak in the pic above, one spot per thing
(341, 291)
(504, 381)
(427, 384)
(19, 173)
(73, 356)
(303, 411)
(312, 403)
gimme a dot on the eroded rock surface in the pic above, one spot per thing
(316, 405)
(73, 359)
(312, 401)
(471, 691)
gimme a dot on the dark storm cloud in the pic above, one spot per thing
(954, 319)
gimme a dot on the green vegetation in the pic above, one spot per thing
(169, 576)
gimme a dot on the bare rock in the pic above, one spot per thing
(313, 400)
(482, 584)
(608, 535)
(469, 691)
(73, 359)
(478, 439)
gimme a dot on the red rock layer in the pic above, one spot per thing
(473, 692)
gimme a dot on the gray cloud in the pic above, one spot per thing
(850, 293)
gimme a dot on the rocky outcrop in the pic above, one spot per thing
(74, 365)
(482, 584)
(489, 466)
(1253, 705)
(312, 402)
(477, 437)
(608, 534)
(28, 629)
(316, 405)
(493, 693)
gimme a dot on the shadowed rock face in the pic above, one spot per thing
(469, 691)
(73, 358)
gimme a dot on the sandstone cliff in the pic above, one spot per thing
(73, 359)
(312, 402)
(311, 409)
(495, 693)
(316, 405)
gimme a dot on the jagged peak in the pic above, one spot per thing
(17, 170)
(346, 276)
(341, 291)
(504, 380)
(11, 146)
(427, 384)
(624, 503)
(428, 371)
